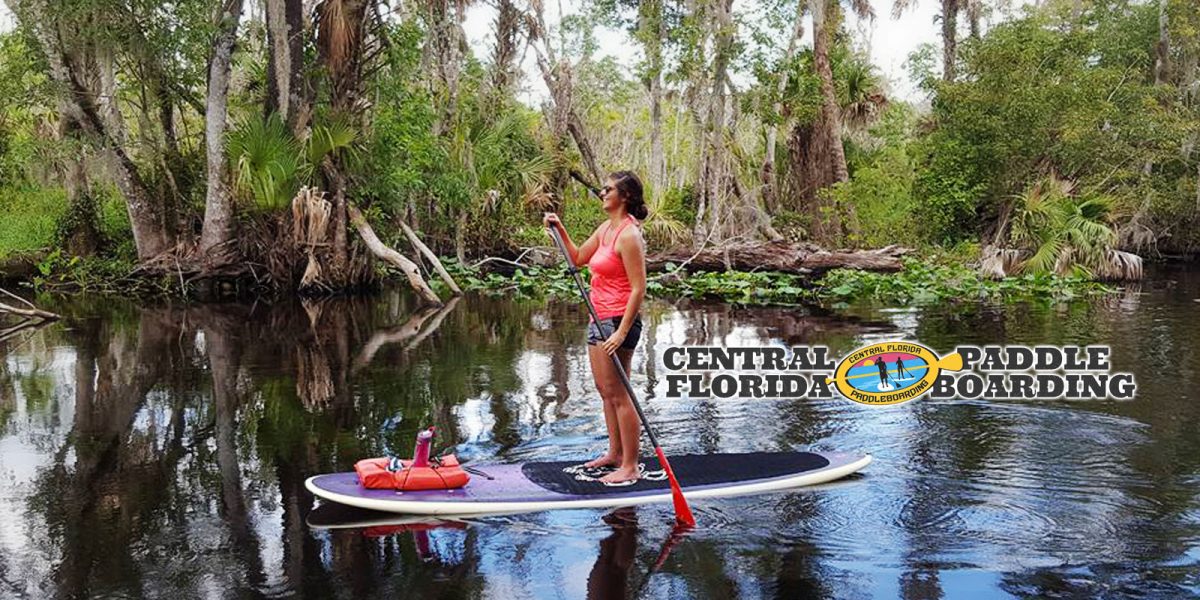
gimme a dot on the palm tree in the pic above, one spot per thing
(829, 120)
(862, 99)
(1067, 233)
(818, 159)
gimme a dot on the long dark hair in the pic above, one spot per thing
(630, 186)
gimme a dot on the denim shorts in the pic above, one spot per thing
(610, 325)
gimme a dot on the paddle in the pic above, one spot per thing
(683, 513)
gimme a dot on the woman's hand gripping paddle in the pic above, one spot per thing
(683, 513)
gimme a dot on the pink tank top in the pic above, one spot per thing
(610, 283)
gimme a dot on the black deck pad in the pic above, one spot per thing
(690, 469)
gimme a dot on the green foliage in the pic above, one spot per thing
(949, 190)
(924, 282)
(113, 218)
(267, 162)
(881, 186)
(334, 136)
(486, 166)
(1065, 233)
(270, 165)
(921, 282)
(525, 282)
(23, 87)
(749, 288)
(58, 272)
(30, 220)
(1046, 94)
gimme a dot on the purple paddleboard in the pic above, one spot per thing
(511, 488)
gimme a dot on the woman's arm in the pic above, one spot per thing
(632, 249)
(581, 255)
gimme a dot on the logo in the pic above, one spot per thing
(894, 372)
(891, 372)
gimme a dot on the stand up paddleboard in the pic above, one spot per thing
(512, 488)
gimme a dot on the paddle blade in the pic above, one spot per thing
(683, 513)
(951, 362)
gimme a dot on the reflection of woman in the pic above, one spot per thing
(610, 575)
(616, 256)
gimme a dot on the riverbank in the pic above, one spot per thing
(932, 279)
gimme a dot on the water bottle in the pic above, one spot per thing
(421, 452)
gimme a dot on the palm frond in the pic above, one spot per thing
(332, 137)
(266, 161)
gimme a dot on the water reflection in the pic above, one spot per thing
(161, 450)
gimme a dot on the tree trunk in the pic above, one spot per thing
(387, 254)
(176, 213)
(949, 38)
(575, 126)
(445, 40)
(712, 169)
(79, 228)
(831, 112)
(431, 257)
(460, 237)
(563, 118)
(652, 29)
(1162, 49)
(285, 62)
(818, 158)
(504, 53)
(218, 203)
(767, 173)
(342, 46)
(974, 10)
(336, 184)
(802, 259)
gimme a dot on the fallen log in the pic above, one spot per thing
(785, 257)
(431, 257)
(32, 312)
(29, 313)
(380, 250)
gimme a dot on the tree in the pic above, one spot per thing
(767, 171)
(818, 157)
(564, 119)
(218, 204)
(287, 88)
(1097, 122)
(80, 47)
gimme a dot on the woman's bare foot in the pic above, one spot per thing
(608, 460)
(622, 475)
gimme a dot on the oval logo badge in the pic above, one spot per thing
(890, 372)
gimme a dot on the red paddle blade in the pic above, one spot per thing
(683, 513)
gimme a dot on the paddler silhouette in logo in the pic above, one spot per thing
(863, 375)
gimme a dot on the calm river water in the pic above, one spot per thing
(160, 451)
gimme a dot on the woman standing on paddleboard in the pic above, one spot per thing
(615, 254)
